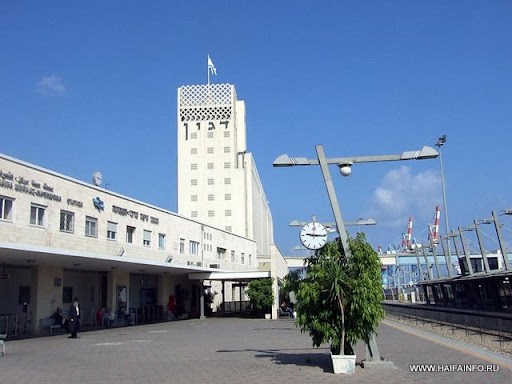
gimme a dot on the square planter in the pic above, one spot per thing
(343, 363)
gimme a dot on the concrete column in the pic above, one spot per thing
(45, 295)
(223, 298)
(165, 288)
(240, 295)
(115, 279)
(201, 300)
(275, 285)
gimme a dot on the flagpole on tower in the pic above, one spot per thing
(208, 69)
(211, 68)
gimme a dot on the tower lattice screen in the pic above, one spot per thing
(206, 102)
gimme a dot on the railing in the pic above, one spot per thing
(497, 326)
(15, 324)
(237, 306)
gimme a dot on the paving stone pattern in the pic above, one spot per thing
(224, 350)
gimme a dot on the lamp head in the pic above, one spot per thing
(345, 169)
(440, 142)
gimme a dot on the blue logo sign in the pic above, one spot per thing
(100, 205)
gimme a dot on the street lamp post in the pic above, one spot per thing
(439, 143)
(359, 222)
(345, 165)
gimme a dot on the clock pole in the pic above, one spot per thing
(333, 199)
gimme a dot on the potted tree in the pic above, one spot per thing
(339, 300)
(261, 295)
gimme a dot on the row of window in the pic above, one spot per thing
(193, 166)
(38, 214)
(227, 181)
(211, 213)
(67, 224)
(209, 135)
(209, 150)
(221, 253)
(211, 197)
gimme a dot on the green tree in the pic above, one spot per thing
(339, 300)
(261, 294)
(291, 282)
(364, 309)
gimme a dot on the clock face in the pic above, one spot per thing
(313, 235)
(97, 178)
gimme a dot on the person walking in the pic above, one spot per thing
(74, 318)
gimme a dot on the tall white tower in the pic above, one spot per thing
(212, 185)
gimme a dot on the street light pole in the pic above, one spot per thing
(345, 165)
(332, 226)
(333, 199)
(440, 142)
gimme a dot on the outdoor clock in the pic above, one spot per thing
(97, 178)
(313, 235)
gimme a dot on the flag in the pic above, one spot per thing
(211, 67)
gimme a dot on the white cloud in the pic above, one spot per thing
(401, 194)
(51, 85)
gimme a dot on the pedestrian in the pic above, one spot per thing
(74, 318)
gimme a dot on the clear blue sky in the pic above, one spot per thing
(88, 86)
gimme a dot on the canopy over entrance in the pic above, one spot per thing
(229, 276)
(240, 277)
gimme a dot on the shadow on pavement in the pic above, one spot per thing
(304, 359)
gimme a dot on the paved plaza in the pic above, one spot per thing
(232, 350)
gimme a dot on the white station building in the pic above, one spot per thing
(62, 238)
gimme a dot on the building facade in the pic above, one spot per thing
(61, 238)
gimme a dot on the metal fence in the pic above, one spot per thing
(497, 326)
(15, 324)
(237, 306)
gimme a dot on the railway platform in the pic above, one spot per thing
(235, 350)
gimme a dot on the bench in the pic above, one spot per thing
(50, 324)
(280, 312)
